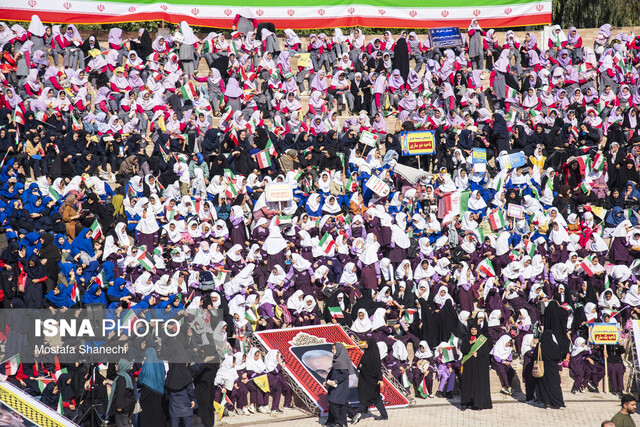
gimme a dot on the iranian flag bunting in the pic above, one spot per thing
(188, 91)
(486, 268)
(96, 230)
(496, 219)
(264, 159)
(587, 266)
(327, 242)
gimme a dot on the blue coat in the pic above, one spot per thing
(339, 394)
(180, 402)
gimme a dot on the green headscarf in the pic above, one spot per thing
(124, 366)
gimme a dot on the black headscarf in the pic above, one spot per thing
(401, 58)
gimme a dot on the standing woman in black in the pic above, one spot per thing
(337, 385)
(475, 391)
(370, 381)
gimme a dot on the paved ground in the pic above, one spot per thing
(583, 410)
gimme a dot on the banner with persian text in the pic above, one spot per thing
(295, 14)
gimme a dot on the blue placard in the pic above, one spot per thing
(445, 37)
(512, 160)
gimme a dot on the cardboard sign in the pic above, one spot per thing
(445, 37)
(279, 193)
(512, 160)
(515, 211)
(416, 143)
(378, 186)
(479, 155)
(603, 333)
(368, 138)
(303, 59)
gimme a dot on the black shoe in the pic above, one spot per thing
(356, 418)
(448, 395)
(591, 386)
(596, 390)
(439, 394)
(381, 418)
(278, 411)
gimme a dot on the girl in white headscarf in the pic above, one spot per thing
(422, 370)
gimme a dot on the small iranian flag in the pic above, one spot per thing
(511, 92)
(514, 255)
(457, 202)
(18, 116)
(53, 193)
(585, 164)
(600, 106)
(607, 282)
(232, 191)
(264, 159)
(12, 365)
(587, 266)
(60, 408)
(233, 135)
(96, 230)
(227, 115)
(511, 116)
(60, 372)
(486, 268)
(75, 293)
(496, 219)
(207, 46)
(336, 312)
(75, 123)
(583, 68)
(422, 388)
(229, 173)
(585, 187)
(598, 162)
(101, 279)
(327, 242)
(531, 249)
(271, 148)
(171, 215)
(188, 91)
(129, 319)
(144, 260)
